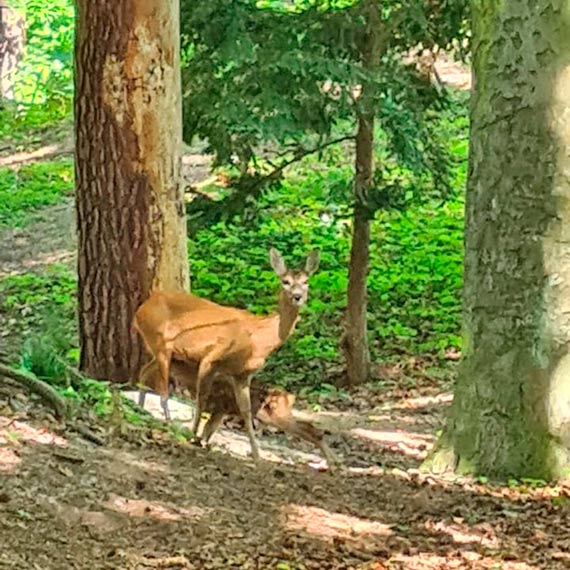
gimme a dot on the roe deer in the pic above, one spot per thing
(220, 339)
(270, 406)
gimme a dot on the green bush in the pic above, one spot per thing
(46, 72)
(415, 267)
(32, 187)
(36, 305)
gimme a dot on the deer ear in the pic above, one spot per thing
(277, 262)
(312, 263)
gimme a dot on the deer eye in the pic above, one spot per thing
(286, 282)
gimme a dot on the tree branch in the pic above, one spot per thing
(302, 154)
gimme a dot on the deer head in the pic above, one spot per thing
(294, 284)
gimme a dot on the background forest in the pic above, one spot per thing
(416, 237)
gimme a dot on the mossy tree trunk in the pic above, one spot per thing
(511, 410)
(130, 204)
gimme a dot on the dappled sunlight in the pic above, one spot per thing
(238, 445)
(461, 533)
(9, 460)
(72, 516)
(142, 508)
(451, 561)
(126, 465)
(419, 402)
(40, 260)
(179, 411)
(414, 445)
(329, 525)
(13, 432)
(230, 441)
(178, 561)
(18, 158)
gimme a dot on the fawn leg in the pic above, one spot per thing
(212, 425)
(241, 389)
(204, 369)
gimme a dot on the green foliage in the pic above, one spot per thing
(46, 72)
(43, 83)
(31, 303)
(31, 187)
(416, 264)
(274, 79)
(416, 249)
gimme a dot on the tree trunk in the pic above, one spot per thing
(12, 33)
(511, 411)
(130, 203)
(355, 341)
(355, 338)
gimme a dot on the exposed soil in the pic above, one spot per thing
(65, 503)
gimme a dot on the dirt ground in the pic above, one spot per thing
(141, 502)
(68, 503)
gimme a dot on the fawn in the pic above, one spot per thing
(271, 406)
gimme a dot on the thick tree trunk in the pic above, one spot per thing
(12, 34)
(130, 204)
(511, 411)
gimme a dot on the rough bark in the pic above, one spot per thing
(12, 34)
(355, 341)
(130, 203)
(511, 411)
(355, 338)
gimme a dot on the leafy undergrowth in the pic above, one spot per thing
(65, 502)
(25, 129)
(32, 187)
(414, 284)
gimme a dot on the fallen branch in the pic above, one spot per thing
(37, 386)
(88, 434)
(168, 562)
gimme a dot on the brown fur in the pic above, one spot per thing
(220, 340)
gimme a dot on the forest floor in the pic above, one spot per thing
(144, 502)
(140, 501)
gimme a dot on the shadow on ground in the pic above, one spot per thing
(65, 503)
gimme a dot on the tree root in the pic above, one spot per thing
(442, 460)
(87, 434)
(37, 386)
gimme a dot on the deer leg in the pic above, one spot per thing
(204, 370)
(241, 389)
(163, 361)
(146, 370)
(212, 425)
